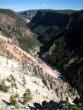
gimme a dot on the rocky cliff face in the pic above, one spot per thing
(24, 80)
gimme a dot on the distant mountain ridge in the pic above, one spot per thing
(28, 14)
(31, 13)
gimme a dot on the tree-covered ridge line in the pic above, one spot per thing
(15, 27)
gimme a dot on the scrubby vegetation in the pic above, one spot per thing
(74, 107)
(27, 43)
(13, 99)
(27, 96)
(3, 87)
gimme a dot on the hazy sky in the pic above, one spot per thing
(19, 5)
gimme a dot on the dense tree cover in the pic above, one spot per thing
(62, 37)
